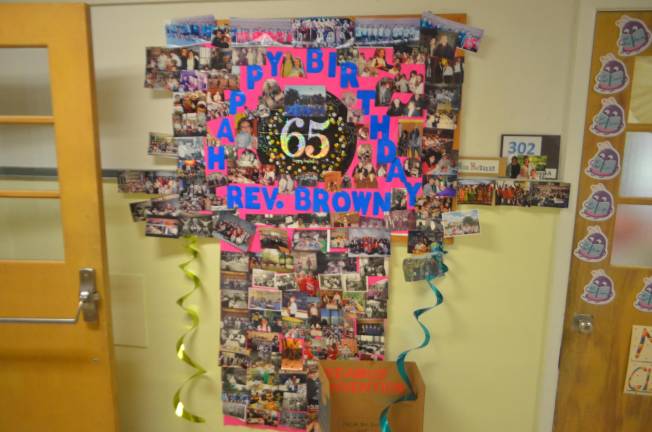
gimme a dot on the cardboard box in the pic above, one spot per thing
(354, 393)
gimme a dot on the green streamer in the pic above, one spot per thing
(179, 408)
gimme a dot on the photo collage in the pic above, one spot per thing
(302, 145)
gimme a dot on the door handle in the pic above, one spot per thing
(583, 323)
(87, 306)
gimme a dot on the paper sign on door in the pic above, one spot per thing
(639, 369)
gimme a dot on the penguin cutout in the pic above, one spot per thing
(600, 290)
(643, 300)
(612, 77)
(634, 36)
(605, 163)
(599, 206)
(610, 121)
(593, 247)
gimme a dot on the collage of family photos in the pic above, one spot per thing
(297, 287)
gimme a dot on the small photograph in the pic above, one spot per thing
(353, 282)
(232, 359)
(196, 225)
(476, 191)
(410, 135)
(295, 402)
(160, 80)
(338, 263)
(527, 167)
(369, 242)
(375, 308)
(305, 101)
(231, 228)
(221, 36)
(370, 327)
(285, 282)
(292, 359)
(461, 223)
(421, 242)
(384, 91)
(438, 155)
(338, 238)
(274, 238)
(308, 179)
(386, 31)
(371, 222)
(263, 417)
(190, 31)
(286, 184)
(332, 181)
(190, 96)
(167, 206)
(247, 56)
(305, 262)
(331, 282)
(292, 66)
(161, 227)
(365, 175)
(139, 210)
(354, 302)
(441, 185)
(377, 287)
(330, 300)
(549, 194)
(444, 98)
(234, 281)
(234, 261)
(512, 193)
(371, 347)
(162, 145)
(420, 268)
(189, 124)
(292, 382)
(260, 32)
(326, 32)
(246, 137)
(160, 59)
(266, 322)
(234, 379)
(235, 404)
(331, 317)
(399, 199)
(190, 157)
(429, 208)
(296, 304)
(399, 220)
(233, 299)
(295, 419)
(262, 278)
(412, 166)
(310, 240)
(345, 220)
(272, 97)
(374, 266)
(149, 182)
(265, 299)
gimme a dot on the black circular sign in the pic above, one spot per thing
(300, 145)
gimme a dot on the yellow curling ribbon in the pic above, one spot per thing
(179, 408)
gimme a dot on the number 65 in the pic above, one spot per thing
(301, 139)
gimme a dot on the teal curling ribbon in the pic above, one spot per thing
(438, 252)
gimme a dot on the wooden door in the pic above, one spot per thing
(610, 288)
(58, 377)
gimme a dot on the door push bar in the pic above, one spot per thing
(87, 307)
